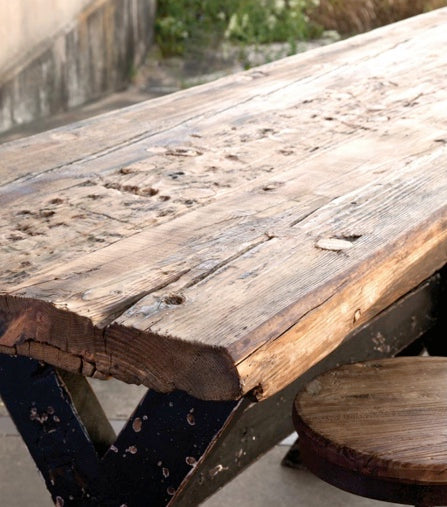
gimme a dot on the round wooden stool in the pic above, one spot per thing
(379, 429)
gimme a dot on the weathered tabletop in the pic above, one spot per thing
(225, 238)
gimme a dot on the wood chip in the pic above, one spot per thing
(333, 244)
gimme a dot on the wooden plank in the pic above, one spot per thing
(96, 138)
(195, 256)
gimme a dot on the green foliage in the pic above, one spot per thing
(182, 24)
(270, 21)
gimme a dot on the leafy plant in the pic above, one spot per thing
(265, 21)
(182, 24)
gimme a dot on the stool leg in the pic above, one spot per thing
(293, 457)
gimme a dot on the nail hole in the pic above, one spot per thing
(87, 183)
(149, 191)
(126, 170)
(133, 189)
(174, 299)
(175, 175)
(46, 213)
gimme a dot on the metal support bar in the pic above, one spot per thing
(164, 440)
(44, 415)
(90, 411)
(293, 457)
(436, 339)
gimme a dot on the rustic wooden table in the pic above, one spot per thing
(216, 244)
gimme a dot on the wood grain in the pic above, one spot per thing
(384, 418)
(182, 243)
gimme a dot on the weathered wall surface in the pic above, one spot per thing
(25, 24)
(71, 55)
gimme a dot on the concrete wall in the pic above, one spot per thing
(26, 23)
(67, 52)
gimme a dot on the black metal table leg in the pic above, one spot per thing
(165, 438)
(162, 443)
(44, 415)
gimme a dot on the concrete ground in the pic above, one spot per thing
(263, 484)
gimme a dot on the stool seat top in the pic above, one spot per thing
(383, 418)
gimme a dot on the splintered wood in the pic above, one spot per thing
(225, 238)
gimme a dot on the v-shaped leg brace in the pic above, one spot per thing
(147, 465)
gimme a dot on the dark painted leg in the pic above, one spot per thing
(293, 458)
(436, 338)
(156, 451)
(44, 415)
(161, 445)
